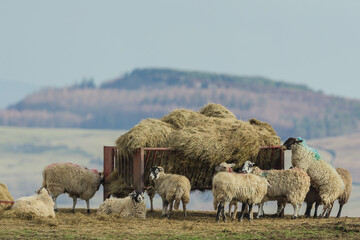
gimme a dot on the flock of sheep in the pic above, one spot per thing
(311, 179)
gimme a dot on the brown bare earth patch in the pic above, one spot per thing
(198, 225)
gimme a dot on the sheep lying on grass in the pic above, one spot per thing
(285, 185)
(170, 187)
(77, 181)
(246, 188)
(313, 195)
(131, 206)
(323, 176)
(40, 204)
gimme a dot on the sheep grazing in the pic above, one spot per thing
(323, 176)
(40, 204)
(170, 187)
(131, 206)
(313, 195)
(286, 186)
(77, 181)
(246, 188)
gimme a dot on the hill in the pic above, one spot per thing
(293, 110)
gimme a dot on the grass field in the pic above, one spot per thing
(198, 225)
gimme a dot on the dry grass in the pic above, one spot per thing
(198, 225)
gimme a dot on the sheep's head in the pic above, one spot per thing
(291, 141)
(43, 191)
(225, 167)
(137, 196)
(248, 167)
(155, 172)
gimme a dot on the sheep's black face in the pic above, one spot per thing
(291, 141)
(137, 196)
(248, 167)
(155, 172)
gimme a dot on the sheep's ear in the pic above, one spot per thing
(160, 169)
(299, 141)
(232, 165)
(254, 165)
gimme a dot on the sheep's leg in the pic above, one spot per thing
(184, 208)
(324, 210)
(329, 211)
(165, 207)
(88, 206)
(223, 212)
(280, 209)
(230, 207)
(151, 204)
(74, 204)
(55, 207)
(171, 203)
(251, 211)
(220, 205)
(339, 212)
(308, 209)
(242, 212)
(260, 210)
(235, 211)
(316, 209)
(296, 209)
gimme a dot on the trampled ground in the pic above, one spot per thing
(198, 225)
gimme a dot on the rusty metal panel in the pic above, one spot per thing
(138, 170)
(109, 158)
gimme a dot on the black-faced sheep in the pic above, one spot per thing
(170, 187)
(246, 188)
(40, 204)
(77, 181)
(323, 176)
(131, 206)
(313, 195)
(286, 186)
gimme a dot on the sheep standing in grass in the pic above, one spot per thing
(77, 181)
(284, 185)
(170, 187)
(131, 206)
(246, 188)
(313, 195)
(323, 176)
(40, 204)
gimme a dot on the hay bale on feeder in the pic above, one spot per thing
(216, 110)
(115, 184)
(200, 141)
(5, 195)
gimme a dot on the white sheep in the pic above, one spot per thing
(170, 187)
(246, 188)
(323, 176)
(77, 181)
(286, 186)
(131, 206)
(313, 195)
(40, 204)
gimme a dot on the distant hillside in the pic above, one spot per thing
(293, 110)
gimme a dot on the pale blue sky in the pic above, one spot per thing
(58, 43)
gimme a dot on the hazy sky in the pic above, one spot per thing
(57, 43)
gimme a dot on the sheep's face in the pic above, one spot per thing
(290, 142)
(155, 172)
(137, 196)
(248, 167)
(224, 167)
(43, 190)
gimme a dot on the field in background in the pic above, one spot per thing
(24, 152)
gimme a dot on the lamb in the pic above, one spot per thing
(246, 188)
(131, 206)
(170, 187)
(323, 176)
(313, 195)
(77, 181)
(40, 204)
(285, 186)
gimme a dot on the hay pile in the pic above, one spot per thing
(200, 140)
(5, 195)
